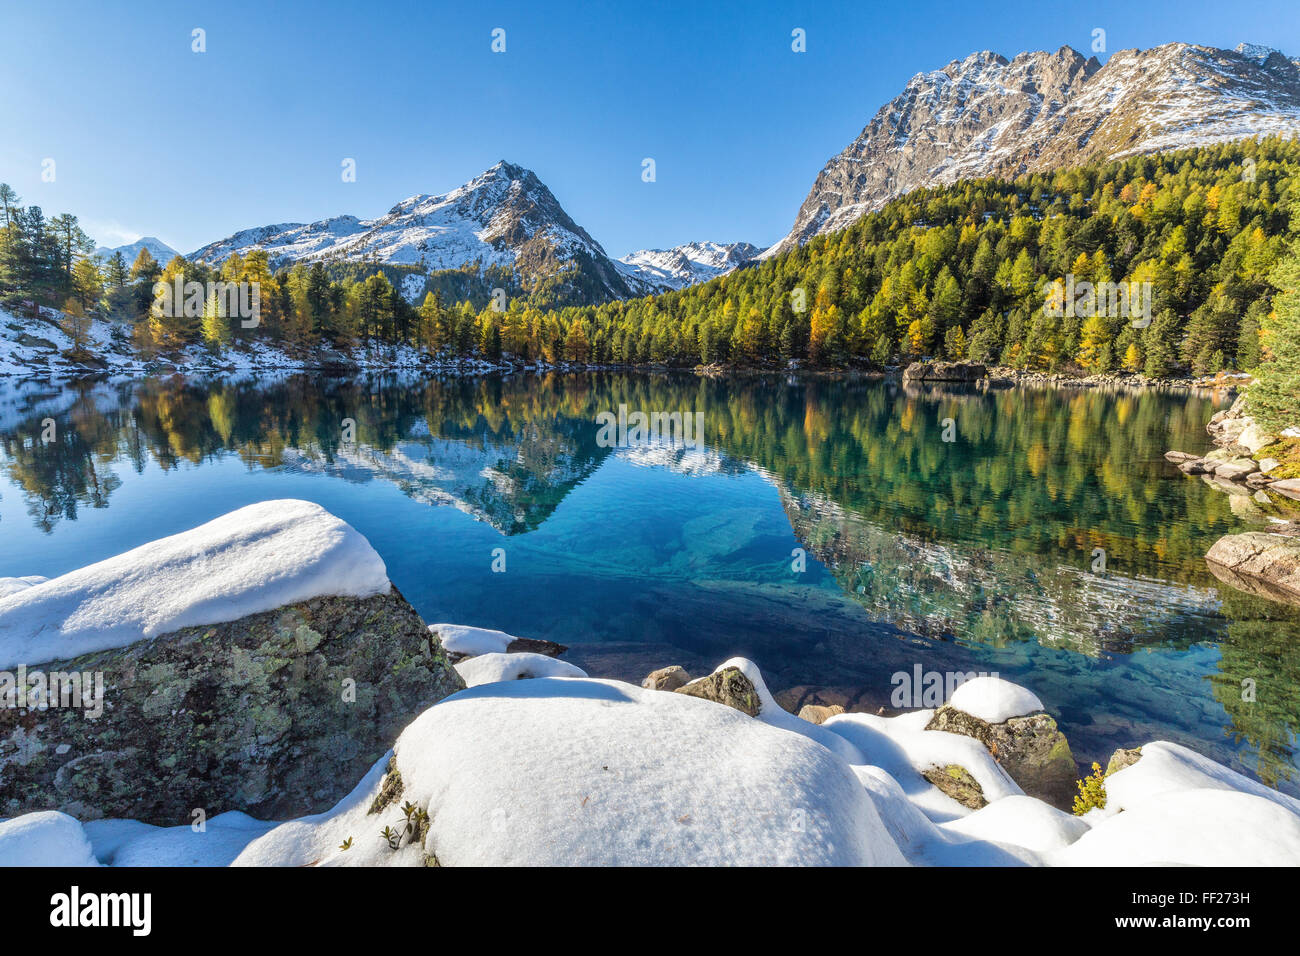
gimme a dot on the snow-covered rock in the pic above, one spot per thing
(598, 772)
(490, 668)
(469, 641)
(592, 772)
(994, 700)
(1192, 828)
(47, 838)
(255, 559)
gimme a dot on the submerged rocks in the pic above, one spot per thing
(275, 714)
(727, 686)
(1031, 749)
(1259, 563)
(819, 713)
(968, 372)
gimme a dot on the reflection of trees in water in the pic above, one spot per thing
(990, 537)
(74, 469)
(1258, 682)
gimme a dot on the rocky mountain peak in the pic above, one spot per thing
(985, 115)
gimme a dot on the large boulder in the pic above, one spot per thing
(1031, 749)
(276, 714)
(1259, 563)
(944, 372)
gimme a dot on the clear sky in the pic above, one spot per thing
(150, 138)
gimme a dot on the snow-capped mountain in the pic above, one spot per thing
(989, 116)
(161, 252)
(688, 264)
(506, 216)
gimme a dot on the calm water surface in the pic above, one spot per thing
(1049, 541)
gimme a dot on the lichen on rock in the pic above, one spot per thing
(275, 714)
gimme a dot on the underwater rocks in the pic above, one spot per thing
(819, 713)
(276, 714)
(1030, 748)
(667, 678)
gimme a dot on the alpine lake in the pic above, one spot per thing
(858, 540)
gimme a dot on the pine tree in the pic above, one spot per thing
(116, 270)
(1275, 397)
(1160, 343)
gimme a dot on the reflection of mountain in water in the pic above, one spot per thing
(514, 484)
(993, 596)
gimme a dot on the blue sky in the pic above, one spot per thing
(150, 138)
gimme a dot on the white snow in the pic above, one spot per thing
(462, 639)
(255, 559)
(132, 843)
(994, 700)
(590, 772)
(1022, 821)
(1192, 828)
(47, 838)
(577, 771)
(14, 585)
(490, 668)
(1169, 768)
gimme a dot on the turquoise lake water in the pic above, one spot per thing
(838, 532)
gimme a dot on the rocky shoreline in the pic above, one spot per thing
(1265, 562)
(1004, 376)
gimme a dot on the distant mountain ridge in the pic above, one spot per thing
(689, 263)
(161, 252)
(506, 216)
(989, 116)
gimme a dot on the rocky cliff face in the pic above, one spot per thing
(276, 714)
(989, 116)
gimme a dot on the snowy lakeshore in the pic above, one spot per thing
(284, 614)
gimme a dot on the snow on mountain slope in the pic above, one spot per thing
(688, 264)
(161, 252)
(506, 216)
(989, 116)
